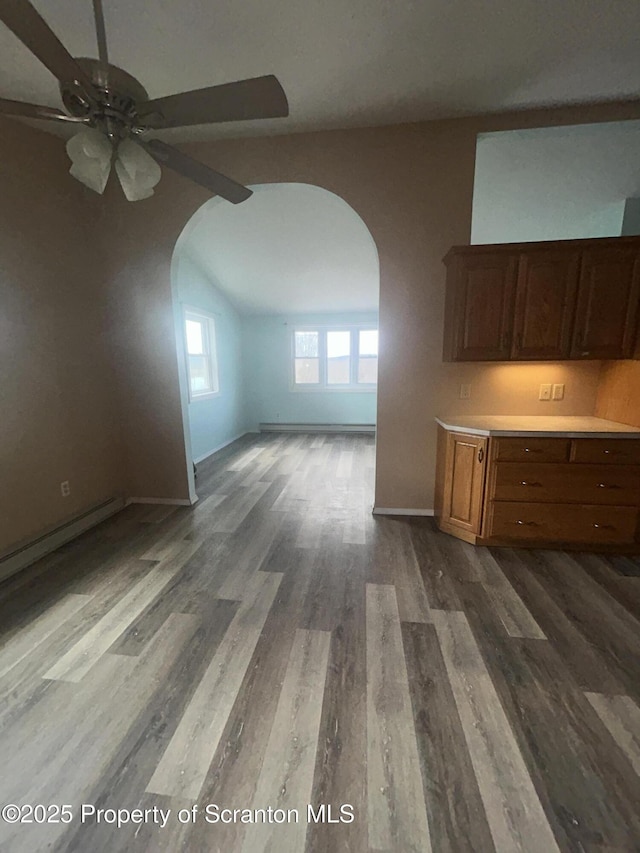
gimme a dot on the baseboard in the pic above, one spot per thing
(33, 550)
(387, 510)
(368, 428)
(162, 501)
(224, 444)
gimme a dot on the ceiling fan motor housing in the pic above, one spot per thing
(116, 111)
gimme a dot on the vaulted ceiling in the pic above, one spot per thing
(289, 249)
(353, 62)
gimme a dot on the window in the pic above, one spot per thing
(334, 359)
(202, 363)
(306, 358)
(339, 358)
(368, 356)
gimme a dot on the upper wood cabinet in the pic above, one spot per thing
(483, 301)
(573, 299)
(607, 311)
(545, 304)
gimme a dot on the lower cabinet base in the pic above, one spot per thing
(465, 535)
(593, 525)
(555, 544)
(580, 494)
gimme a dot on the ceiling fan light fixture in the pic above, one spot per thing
(137, 171)
(113, 105)
(90, 153)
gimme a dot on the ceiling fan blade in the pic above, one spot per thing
(219, 184)
(34, 32)
(20, 108)
(259, 97)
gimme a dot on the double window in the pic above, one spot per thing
(340, 358)
(202, 362)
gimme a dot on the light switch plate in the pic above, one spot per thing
(465, 392)
(558, 391)
(545, 392)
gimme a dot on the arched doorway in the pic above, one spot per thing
(276, 312)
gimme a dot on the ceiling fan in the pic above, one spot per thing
(116, 113)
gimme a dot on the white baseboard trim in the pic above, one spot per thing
(224, 444)
(33, 550)
(389, 510)
(369, 428)
(162, 501)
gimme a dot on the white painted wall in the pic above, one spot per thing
(555, 183)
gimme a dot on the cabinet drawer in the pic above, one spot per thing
(566, 483)
(610, 451)
(591, 525)
(531, 449)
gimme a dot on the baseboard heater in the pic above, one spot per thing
(369, 428)
(34, 549)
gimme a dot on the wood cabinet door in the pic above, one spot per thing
(545, 304)
(464, 480)
(607, 307)
(483, 313)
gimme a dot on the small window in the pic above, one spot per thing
(368, 356)
(335, 359)
(339, 358)
(306, 358)
(202, 362)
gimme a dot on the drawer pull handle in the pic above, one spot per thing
(604, 526)
(531, 449)
(527, 483)
(607, 486)
(481, 454)
(611, 452)
(530, 523)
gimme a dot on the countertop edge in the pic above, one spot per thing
(520, 433)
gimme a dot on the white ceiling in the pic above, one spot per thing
(555, 183)
(289, 249)
(353, 62)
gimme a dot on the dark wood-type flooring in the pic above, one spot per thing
(277, 646)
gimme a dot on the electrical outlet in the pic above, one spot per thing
(558, 391)
(545, 392)
(465, 392)
(65, 489)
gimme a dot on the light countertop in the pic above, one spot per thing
(530, 426)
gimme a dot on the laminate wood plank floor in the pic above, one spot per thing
(277, 669)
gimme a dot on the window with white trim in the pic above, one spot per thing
(202, 361)
(335, 358)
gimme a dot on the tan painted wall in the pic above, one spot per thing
(412, 185)
(85, 293)
(57, 413)
(140, 238)
(619, 392)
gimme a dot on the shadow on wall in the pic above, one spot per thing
(293, 253)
